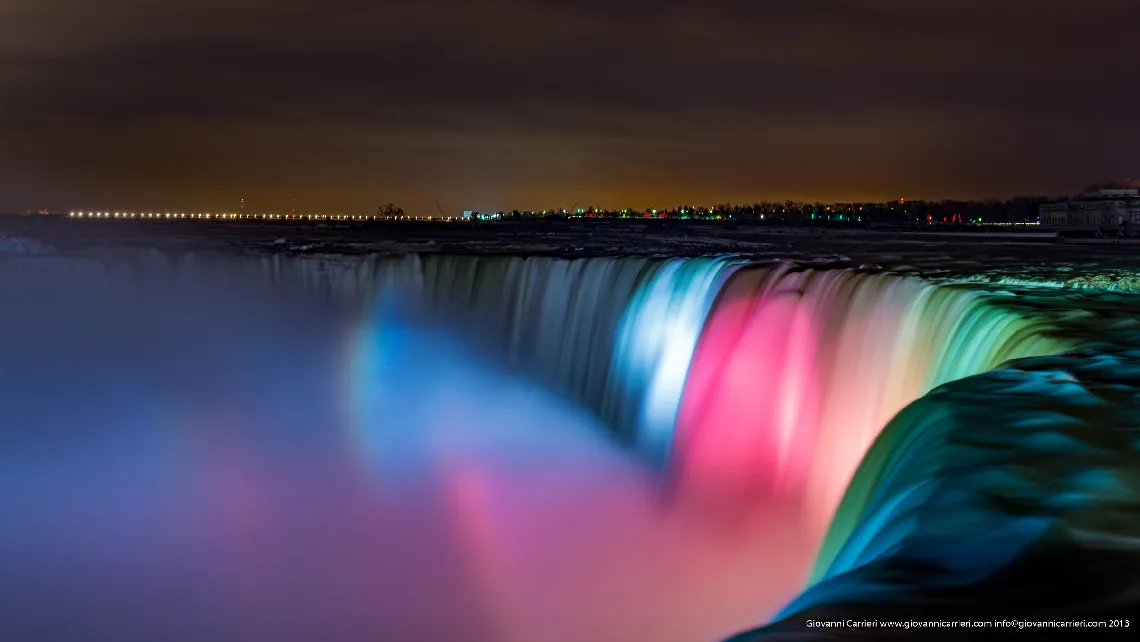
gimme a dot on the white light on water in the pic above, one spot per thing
(657, 338)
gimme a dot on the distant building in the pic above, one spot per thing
(1107, 204)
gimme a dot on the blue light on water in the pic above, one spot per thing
(656, 341)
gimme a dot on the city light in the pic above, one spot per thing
(234, 216)
(901, 211)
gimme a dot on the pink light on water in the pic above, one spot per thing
(752, 389)
(563, 535)
(797, 372)
(794, 376)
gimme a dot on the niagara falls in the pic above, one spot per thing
(495, 447)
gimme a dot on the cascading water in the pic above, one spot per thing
(1006, 500)
(555, 317)
(655, 345)
(798, 370)
(756, 389)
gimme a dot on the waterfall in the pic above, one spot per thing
(1008, 497)
(763, 389)
(557, 318)
(807, 356)
(655, 345)
(797, 371)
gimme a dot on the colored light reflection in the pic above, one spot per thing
(751, 391)
(217, 474)
(656, 340)
(238, 488)
(544, 504)
(797, 371)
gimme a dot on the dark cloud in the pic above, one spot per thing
(509, 104)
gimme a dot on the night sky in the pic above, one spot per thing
(505, 104)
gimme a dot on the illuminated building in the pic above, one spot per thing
(1112, 203)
